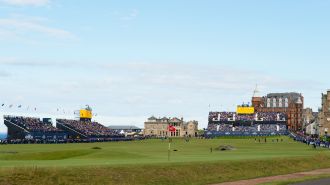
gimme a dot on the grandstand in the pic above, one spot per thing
(246, 122)
(29, 129)
(24, 129)
(86, 129)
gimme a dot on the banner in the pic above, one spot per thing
(85, 114)
(245, 110)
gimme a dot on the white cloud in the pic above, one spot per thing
(126, 93)
(20, 27)
(26, 2)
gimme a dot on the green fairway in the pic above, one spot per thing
(146, 152)
(141, 162)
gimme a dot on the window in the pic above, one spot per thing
(274, 102)
(280, 102)
(286, 102)
(268, 102)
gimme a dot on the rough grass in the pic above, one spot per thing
(176, 173)
(145, 162)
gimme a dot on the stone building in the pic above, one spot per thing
(159, 127)
(310, 122)
(291, 103)
(308, 116)
(324, 114)
(312, 128)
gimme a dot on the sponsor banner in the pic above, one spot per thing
(245, 110)
(85, 114)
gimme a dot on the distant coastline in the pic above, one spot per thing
(3, 135)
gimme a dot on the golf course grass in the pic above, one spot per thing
(146, 161)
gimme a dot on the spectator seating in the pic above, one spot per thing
(31, 124)
(90, 129)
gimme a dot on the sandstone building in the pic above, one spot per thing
(158, 127)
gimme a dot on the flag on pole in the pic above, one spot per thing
(171, 128)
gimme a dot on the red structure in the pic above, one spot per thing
(291, 103)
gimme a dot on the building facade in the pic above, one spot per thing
(312, 129)
(324, 114)
(158, 127)
(290, 103)
(308, 116)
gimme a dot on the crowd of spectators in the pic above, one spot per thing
(88, 128)
(32, 124)
(245, 117)
(259, 116)
(272, 127)
(310, 141)
(249, 128)
(270, 116)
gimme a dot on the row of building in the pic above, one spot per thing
(298, 118)
(159, 127)
(318, 123)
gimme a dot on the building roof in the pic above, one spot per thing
(124, 127)
(293, 96)
(152, 118)
(177, 120)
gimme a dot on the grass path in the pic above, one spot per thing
(263, 180)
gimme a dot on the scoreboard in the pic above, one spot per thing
(85, 114)
(245, 110)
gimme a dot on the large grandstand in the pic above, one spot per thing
(86, 129)
(25, 129)
(37, 130)
(246, 122)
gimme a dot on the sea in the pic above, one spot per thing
(3, 135)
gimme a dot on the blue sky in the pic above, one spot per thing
(133, 59)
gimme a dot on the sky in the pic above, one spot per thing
(130, 59)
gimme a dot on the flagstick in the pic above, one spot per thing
(169, 150)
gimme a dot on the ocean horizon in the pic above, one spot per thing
(3, 135)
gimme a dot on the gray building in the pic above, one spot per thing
(125, 129)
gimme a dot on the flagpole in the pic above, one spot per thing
(169, 149)
(169, 143)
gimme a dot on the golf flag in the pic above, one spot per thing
(171, 128)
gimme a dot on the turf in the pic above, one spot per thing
(146, 162)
